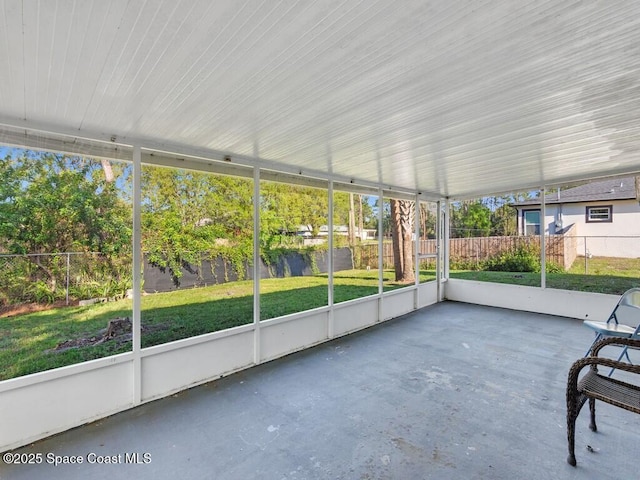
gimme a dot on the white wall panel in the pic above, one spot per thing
(37, 406)
(427, 294)
(173, 370)
(398, 303)
(354, 315)
(36, 410)
(565, 303)
(278, 338)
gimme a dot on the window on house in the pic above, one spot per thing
(599, 213)
(531, 224)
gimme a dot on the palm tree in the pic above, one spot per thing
(402, 218)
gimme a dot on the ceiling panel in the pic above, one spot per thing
(452, 99)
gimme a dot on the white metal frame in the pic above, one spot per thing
(108, 385)
(38, 405)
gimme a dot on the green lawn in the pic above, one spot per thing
(605, 275)
(27, 341)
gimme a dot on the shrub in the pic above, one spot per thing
(553, 267)
(460, 263)
(521, 258)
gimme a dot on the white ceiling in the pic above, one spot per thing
(447, 97)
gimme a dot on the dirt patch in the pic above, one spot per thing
(118, 331)
(24, 308)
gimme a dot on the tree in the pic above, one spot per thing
(186, 215)
(352, 221)
(360, 217)
(470, 218)
(53, 203)
(364, 214)
(402, 218)
(285, 208)
(428, 218)
(503, 221)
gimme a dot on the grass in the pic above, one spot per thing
(605, 275)
(28, 341)
(619, 267)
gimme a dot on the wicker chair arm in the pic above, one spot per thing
(594, 362)
(620, 341)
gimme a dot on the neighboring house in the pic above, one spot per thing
(343, 230)
(605, 216)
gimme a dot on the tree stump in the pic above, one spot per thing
(118, 327)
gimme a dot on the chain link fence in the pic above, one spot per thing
(66, 277)
(607, 255)
(69, 277)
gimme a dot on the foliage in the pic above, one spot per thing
(28, 340)
(470, 219)
(504, 221)
(190, 216)
(285, 208)
(55, 203)
(52, 203)
(464, 263)
(277, 257)
(521, 258)
(553, 267)
(614, 285)
(518, 259)
(428, 217)
(487, 216)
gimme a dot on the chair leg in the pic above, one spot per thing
(625, 353)
(572, 413)
(571, 437)
(598, 337)
(592, 409)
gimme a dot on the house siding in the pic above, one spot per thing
(606, 239)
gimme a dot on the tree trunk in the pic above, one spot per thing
(396, 241)
(51, 277)
(360, 218)
(108, 171)
(352, 222)
(407, 214)
(402, 218)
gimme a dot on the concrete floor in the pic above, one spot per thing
(454, 391)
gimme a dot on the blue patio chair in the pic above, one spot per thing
(624, 322)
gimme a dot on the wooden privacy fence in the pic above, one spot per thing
(559, 249)
(366, 255)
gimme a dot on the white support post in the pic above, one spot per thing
(330, 326)
(256, 265)
(416, 249)
(445, 238)
(136, 327)
(543, 249)
(380, 252)
(67, 279)
(439, 251)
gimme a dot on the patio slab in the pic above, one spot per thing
(455, 391)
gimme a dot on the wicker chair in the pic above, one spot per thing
(594, 386)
